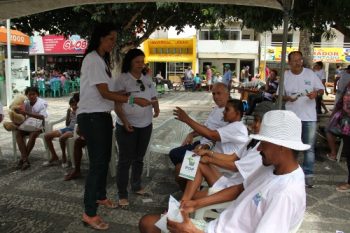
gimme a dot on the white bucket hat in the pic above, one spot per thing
(281, 127)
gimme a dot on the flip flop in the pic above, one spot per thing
(49, 163)
(124, 204)
(331, 158)
(72, 176)
(344, 188)
(95, 222)
(108, 203)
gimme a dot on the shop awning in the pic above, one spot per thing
(17, 8)
(17, 37)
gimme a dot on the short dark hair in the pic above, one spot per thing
(320, 64)
(275, 71)
(294, 52)
(237, 105)
(31, 89)
(129, 56)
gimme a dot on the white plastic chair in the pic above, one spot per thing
(112, 164)
(340, 150)
(208, 211)
(48, 128)
(168, 135)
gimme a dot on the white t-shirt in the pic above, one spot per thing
(321, 74)
(269, 204)
(40, 107)
(137, 116)
(215, 120)
(233, 137)
(94, 71)
(300, 85)
(249, 162)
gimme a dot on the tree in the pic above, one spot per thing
(137, 21)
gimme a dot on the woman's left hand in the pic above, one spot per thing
(156, 113)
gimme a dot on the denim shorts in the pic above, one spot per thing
(65, 130)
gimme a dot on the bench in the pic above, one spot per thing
(176, 81)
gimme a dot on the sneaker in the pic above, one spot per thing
(343, 188)
(309, 182)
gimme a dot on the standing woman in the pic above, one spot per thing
(95, 121)
(134, 124)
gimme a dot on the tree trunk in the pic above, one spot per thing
(306, 47)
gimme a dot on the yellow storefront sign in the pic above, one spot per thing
(171, 50)
(329, 55)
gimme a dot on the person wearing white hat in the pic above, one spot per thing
(274, 197)
(302, 86)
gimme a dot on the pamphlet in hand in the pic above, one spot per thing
(189, 165)
(173, 214)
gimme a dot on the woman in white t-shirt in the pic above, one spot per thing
(134, 124)
(94, 119)
(34, 107)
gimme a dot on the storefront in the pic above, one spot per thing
(329, 56)
(170, 56)
(20, 68)
(56, 51)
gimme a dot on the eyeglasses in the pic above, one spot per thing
(140, 83)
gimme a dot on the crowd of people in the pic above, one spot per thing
(259, 169)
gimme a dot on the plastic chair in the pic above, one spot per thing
(48, 128)
(67, 87)
(166, 136)
(209, 211)
(340, 150)
(77, 82)
(42, 88)
(56, 88)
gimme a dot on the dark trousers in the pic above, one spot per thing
(253, 99)
(132, 149)
(97, 131)
(319, 104)
(346, 151)
(177, 154)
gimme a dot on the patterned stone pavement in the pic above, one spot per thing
(38, 200)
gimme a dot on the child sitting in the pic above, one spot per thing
(63, 135)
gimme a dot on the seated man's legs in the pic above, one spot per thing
(62, 140)
(211, 175)
(78, 153)
(146, 223)
(48, 140)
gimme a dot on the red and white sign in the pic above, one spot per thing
(53, 44)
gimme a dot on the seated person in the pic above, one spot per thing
(159, 79)
(34, 107)
(214, 121)
(78, 153)
(63, 134)
(268, 94)
(243, 163)
(274, 197)
(228, 139)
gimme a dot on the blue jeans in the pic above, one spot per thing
(308, 136)
(97, 129)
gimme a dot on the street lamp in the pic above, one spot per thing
(287, 7)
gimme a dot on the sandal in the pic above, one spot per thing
(51, 163)
(343, 188)
(108, 203)
(19, 165)
(123, 203)
(331, 158)
(71, 176)
(142, 192)
(25, 165)
(95, 222)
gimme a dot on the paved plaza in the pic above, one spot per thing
(38, 200)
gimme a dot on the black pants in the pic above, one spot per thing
(319, 104)
(97, 131)
(132, 149)
(253, 99)
(177, 154)
(346, 151)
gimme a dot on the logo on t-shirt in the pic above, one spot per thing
(257, 198)
(307, 82)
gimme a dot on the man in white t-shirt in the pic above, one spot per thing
(321, 74)
(215, 120)
(274, 197)
(302, 86)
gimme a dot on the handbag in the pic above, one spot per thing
(31, 124)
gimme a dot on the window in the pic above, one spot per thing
(204, 35)
(245, 37)
(279, 38)
(235, 35)
(229, 34)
